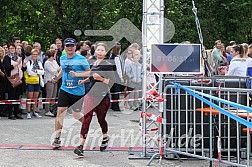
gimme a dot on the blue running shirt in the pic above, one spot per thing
(77, 64)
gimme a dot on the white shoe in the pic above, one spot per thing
(37, 115)
(28, 116)
(49, 114)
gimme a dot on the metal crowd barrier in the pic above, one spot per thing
(196, 129)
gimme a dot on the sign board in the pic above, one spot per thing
(176, 58)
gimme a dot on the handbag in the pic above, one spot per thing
(31, 79)
(15, 80)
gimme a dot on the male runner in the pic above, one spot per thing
(71, 94)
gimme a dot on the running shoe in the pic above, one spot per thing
(56, 142)
(79, 151)
(104, 143)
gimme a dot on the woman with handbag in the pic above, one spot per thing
(33, 80)
(13, 69)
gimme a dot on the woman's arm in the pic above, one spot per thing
(118, 67)
(24, 61)
(83, 81)
(7, 65)
(41, 70)
(106, 75)
(110, 76)
(100, 78)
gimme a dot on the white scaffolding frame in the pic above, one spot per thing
(152, 33)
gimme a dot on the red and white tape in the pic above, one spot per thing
(30, 101)
(25, 102)
(125, 92)
(153, 117)
(153, 95)
(150, 92)
(219, 88)
(155, 137)
(24, 99)
(219, 150)
(125, 100)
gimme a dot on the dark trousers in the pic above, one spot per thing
(2, 97)
(101, 112)
(115, 88)
(44, 94)
(14, 94)
(59, 85)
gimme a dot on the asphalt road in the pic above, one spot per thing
(28, 143)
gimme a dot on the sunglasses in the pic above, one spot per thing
(70, 45)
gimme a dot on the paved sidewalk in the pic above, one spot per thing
(28, 143)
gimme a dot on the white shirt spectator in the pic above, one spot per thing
(51, 70)
(39, 71)
(238, 67)
(119, 66)
(249, 61)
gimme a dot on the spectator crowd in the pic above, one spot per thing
(233, 60)
(38, 72)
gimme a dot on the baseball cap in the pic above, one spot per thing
(69, 41)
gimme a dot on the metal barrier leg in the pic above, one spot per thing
(157, 154)
(177, 156)
(152, 158)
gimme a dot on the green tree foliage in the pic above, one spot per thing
(220, 19)
(44, 20)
